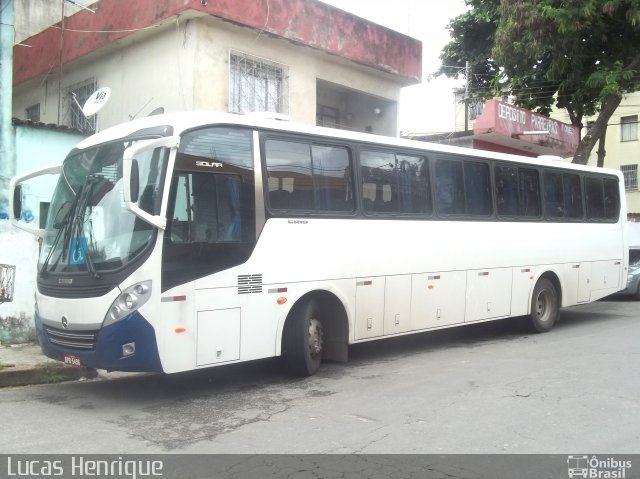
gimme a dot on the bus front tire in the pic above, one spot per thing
(545, 306)
(304, 339)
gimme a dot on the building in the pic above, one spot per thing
(502, 127)
(302, 58)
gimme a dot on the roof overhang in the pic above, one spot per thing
(304, 22)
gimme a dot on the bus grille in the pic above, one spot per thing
(249, 283)
(80, 340)
(65, 291)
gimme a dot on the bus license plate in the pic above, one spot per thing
(72, 360)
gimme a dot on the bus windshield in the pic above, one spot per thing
(88, 228)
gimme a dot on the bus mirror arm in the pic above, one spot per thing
(131, 181)
(15, 197)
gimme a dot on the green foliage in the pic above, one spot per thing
(577, 55)
(572, 54)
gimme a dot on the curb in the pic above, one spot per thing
(44, 373)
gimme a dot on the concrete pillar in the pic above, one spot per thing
(7, 135)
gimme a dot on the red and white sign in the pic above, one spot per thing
(500, 119)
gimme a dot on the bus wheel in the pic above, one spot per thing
(304, 339)
(544, 306)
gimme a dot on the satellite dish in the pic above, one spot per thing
(96, 101)
(157, 111)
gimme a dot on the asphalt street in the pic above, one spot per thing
(486, 388)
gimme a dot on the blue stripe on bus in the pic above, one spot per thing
(107, 353)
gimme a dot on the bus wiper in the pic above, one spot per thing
(62, 225)
(78, 222)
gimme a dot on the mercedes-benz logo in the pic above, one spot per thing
(65, 322)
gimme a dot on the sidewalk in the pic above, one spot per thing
(23, 364)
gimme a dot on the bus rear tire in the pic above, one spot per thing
(545, 306)
(304, 339)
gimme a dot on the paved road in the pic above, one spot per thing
(485, 388)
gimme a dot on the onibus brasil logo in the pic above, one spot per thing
(597, 468)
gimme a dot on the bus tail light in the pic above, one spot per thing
(127, 302)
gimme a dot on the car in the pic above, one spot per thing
(633, 276)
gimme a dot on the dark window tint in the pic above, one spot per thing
(333, 184)
(379, 181)
(211, 208)
(290, 177)
(308, 177)
(572, 196)
(449, 184)
(553, 195)
(594, 198)
(530, 204)
(413, 184)
(395, 183)
(611, 199)
(507, 191)
(477, 185)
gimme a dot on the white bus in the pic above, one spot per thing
(186, 241)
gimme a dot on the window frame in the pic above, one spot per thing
(630, 174)
(627, 133)
(266, 66)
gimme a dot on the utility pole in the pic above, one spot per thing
(466, 96)
(7, 137)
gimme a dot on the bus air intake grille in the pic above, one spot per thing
(80, 340)
(249, 283)
(55, 291)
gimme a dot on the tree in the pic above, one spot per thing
(581, 55)
(472, 36)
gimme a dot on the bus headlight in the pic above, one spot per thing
(128, 301)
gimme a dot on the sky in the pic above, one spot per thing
(427, 107)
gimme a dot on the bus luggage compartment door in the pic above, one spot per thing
(369, 307)
(437, 299)
(488, 293)
(218, 336)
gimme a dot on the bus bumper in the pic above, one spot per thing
(107, 352)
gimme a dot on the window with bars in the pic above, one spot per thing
(73, 98)
(257, 85)
(630, 173)
(33, 112)
(629, 128)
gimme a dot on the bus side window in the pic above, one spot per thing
(414, 188)
(611, 199)
(333, 181)
(572, 195)
(594, 198)
(553, 195)
(290, 178)
(380, 184)
(529, 182)
(477, 186)
(449, 184)
(308, 177)
(506, 181)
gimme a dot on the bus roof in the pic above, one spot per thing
(182, 121)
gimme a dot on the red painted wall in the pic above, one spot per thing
(305, 22)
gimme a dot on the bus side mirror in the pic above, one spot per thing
(134, 181)
(17, 202)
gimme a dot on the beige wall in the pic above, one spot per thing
(185, 67)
